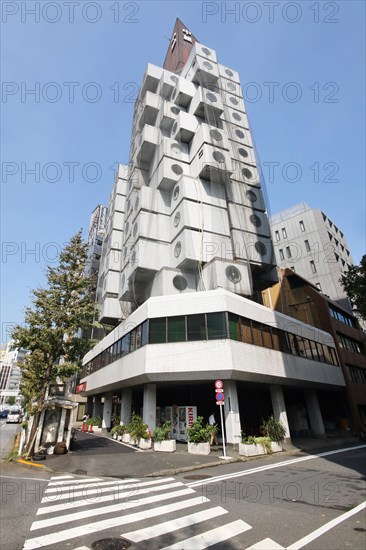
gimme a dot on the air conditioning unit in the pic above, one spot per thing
(173, 281)
(229, 275)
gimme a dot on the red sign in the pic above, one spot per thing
(219, 384)
(190, 416)
(81, 387)
(220, 402)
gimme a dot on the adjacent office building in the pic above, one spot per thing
(187, 253)
(308, 242)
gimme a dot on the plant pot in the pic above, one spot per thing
(199, 448)
(166, 446)
(144, 443)
(114, 436)
(119, 437)
(126, 438)
(257, 449)
(97, 429)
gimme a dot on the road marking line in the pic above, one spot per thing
(30, 478)
(266, 544)
(211, 537)
(106, 498)
(111, 486)
(62, 477)
(272, 466)
(333, 523)
(55, 486)
(94, 512)
(95, 527)
(174, 525)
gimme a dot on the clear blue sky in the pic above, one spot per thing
(310, 51)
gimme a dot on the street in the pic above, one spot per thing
(311, 501)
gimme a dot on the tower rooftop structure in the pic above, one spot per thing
(180, 46)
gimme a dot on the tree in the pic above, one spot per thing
(10, 400)
(53, 329)
(354, 283)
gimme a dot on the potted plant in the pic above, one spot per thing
(117, 432)
(273, 433)
(139, 432)
(199, 436)
(161, 438)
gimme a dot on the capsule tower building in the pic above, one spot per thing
(195, 215)
(195, 252)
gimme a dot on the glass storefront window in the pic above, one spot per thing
(216, 326)
(144, 333)
(196, 327)
(234, 327)
(157, 331)
(246, 330)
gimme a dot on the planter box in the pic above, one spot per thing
(114, 436)
(126, 438)
(199, 448)
(257, 449)
(167, 446)
(144, 443)
(96, 429)
(119, 437)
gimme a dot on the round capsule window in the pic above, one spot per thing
(251, 196)
(137, 202)
(260, 248)
(173, 78)
(176, 220)
(215, 134)
(228, 72)
(231, 86)
(243, 152)
(180, 282)
(177, 169)
(247, 174)
(233, 100)
(123, 280)
(211, 97)
(175, 147)
(206, 51)
(233, 274)
(135, 230)
(177, 249)
(176, 193)
(174, 110)
(207, 65)
(133, 257)
(174, 127)
(239, 134)
(255, 220)
(219, 157)
(127, 228)
(237, 117)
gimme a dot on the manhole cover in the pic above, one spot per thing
(197, 476)
(111, 544)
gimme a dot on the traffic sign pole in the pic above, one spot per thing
(220, 400)
(222, 431)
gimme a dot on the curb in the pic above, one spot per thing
(32, 463)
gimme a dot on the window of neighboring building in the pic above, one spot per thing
(358, 375)
(349, 344)
(302, 225)
(284, 233)
(282, 256)
(307, 246)
(288, 252)
(277, 233)
(313, 266)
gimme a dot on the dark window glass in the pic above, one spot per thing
(132, 340)
(119, 347)
(267, 337)
(276, 339)
(307, 349)
(138, 337)
(234, 327)
(176, 329)
(196, 327)
(157, 331)
(216, 326)
(144, 333)
(334, 356)
(320, 352)
(125, 344)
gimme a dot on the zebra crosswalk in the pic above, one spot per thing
(162, 513)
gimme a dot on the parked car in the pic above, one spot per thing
(4, 413)
(14, 416)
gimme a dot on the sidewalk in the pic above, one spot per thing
(100, 455)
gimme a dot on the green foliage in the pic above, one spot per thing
(273, 429)
(264, 441)
(354, 283)
(10, 400)
(118, 429)
(53, 328)
(116, 420)
(137, 428)
(25, 425)
(198, 433)
(162, 433)
(95, 421)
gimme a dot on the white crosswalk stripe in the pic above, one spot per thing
(160, 511)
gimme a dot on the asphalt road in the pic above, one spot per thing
(310, 502)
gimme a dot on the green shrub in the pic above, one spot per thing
(137, 428)
(162, 433)
(95, 421)
(118, 430)
(273, 429)
(252, 440)
(198, 433)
